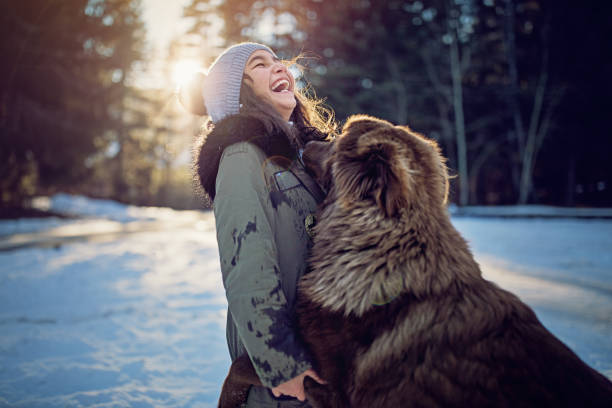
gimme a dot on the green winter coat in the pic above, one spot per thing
(261, 208)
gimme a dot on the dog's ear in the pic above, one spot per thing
(387, 186)
(370, 166)
(437, 172)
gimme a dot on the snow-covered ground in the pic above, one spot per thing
(126, 308)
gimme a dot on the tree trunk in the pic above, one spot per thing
(535, 134)
(456, 75)
(513, 95)
(443, 98)
(514, 92)
(401, 116)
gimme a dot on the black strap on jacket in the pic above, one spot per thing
(307, 181)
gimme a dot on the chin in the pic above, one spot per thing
(285, 109)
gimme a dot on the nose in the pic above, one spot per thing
(279, 67)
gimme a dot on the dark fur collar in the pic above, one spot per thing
(234, 129)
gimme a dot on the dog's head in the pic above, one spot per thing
(374, 160)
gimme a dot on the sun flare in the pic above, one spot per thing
(183, 70)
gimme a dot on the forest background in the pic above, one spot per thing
(514, 91)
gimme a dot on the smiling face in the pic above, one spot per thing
(271, 82)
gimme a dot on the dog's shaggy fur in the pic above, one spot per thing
(395, 310)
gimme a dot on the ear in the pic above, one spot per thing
(190, 94)
(438, 173)
(442, 171)
(315, 157)
(372, 168)
(387, 185)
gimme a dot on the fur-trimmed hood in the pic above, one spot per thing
(234, 129)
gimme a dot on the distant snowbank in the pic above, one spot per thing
(27, 225)
(87, 210)
(81, 206)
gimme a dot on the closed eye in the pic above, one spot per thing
(257, 61)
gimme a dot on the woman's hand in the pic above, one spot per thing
(295, 386)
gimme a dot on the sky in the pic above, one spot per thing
(164, 23)
(162, 18)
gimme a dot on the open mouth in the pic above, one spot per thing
(282, 85)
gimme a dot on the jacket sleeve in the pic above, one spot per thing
(245, 222)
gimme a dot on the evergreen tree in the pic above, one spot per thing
(61, 83)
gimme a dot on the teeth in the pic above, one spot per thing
(281, 85)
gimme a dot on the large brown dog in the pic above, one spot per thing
(395, 310)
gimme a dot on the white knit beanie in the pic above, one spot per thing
(221, 86)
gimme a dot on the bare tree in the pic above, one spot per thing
(542, 107)
(449, 92)
(457, 98)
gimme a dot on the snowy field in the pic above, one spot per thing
(125, 307)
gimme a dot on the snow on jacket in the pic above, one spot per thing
(260, 209)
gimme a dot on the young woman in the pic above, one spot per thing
(249, 164)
